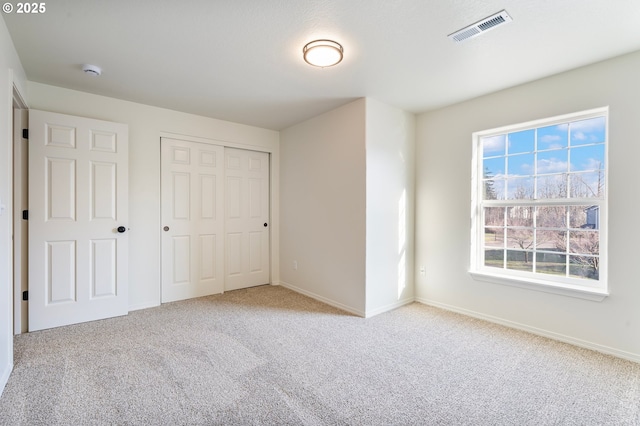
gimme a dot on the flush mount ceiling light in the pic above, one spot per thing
(322, 53)
(91, 70)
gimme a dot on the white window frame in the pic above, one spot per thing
(596, 290)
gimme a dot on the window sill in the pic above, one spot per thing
(588, 293)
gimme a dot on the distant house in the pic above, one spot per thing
(593, 217)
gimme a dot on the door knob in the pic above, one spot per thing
(166, 228)
(121, 229)
(265, 224)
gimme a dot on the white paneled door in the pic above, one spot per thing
(192, 219)
(247, 257)
(215, 219)
(78, 213)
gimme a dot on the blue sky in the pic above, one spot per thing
(570, 147)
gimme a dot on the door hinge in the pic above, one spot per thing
(25, 295)
(25, 214)
(25, 133)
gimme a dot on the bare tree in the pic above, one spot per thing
(582, 188)
(552, 186)
(586, 246)
(523, 238)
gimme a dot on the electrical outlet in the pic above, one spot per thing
(423, 271)
(295, 265)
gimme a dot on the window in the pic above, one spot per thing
(540, 204)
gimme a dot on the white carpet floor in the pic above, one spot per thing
(269, 356)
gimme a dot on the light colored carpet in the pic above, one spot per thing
(269, 356)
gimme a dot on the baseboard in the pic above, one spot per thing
(387, 308)
(322, 299)
(145, 305)
(4, 378)
(534, 330)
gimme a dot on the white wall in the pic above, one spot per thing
(11, 73)
(322, 207)
(443, 194)
(146, 125)
(390, 160)
(347, 208)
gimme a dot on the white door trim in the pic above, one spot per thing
(14, 99)
(20, 238)
(20, 235)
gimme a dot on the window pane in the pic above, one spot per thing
(588, 131)
(592, 220)
(584, 242)
(553, 137)
(552, 162)
(494, 258)
(551, 217)
(520, 188)
(584, 267)
(493, 167)
(550, 263)
(530, 183)
(552, 186)
(493, 189)
(520, 165)
(587, 158)
(494, 216)
(585, 217)
(520, 260)
(493, 145)
(551, 240)
(522, 141)
(520, 238)
(520, 216)
(494, 237)
(587, 185)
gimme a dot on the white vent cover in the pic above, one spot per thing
(481, 27)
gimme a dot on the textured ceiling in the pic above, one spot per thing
(242, 60)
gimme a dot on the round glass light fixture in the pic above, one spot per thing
(322, 53)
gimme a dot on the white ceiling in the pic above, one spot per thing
(241, 60)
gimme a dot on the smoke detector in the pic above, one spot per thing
(91, 70)
(480, 27)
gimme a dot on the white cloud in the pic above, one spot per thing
(590, 130)
(550, 138)
(590, 125)
(579, 136)
(551, 142)
(493, 143)
(590, 164)
(551, 165)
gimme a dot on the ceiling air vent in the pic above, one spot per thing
(481, 26)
